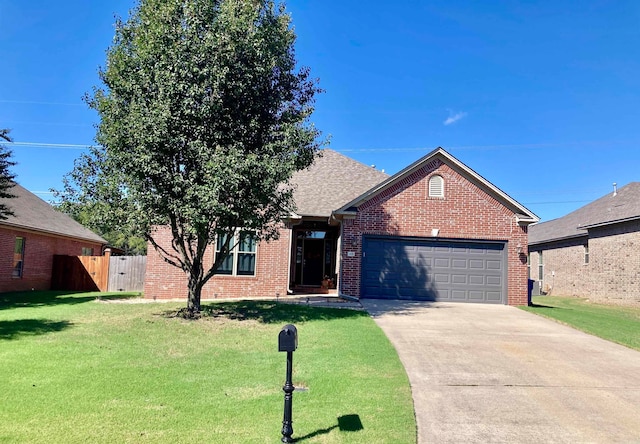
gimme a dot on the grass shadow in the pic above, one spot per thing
(50, 298)
(271, 312)
(17, 328)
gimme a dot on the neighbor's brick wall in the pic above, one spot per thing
(564, 270)
(164, 281)
(613, 271)
(465, 212)
(38, 258)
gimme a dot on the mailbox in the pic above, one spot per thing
(288, 338)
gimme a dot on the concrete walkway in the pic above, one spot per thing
(496, 374)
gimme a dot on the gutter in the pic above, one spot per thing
(612, 222)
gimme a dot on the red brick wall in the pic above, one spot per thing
(466, 212)
(38, 258)
(164, 281)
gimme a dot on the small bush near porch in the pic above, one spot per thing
(619, 324)
(78, 369)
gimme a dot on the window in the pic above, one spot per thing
(540, 267)
(241, 260)
(586, 253)
(87, 251)
(436, 186)
(18, 257)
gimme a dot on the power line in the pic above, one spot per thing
(345, 150)
(556, 202)
(22, 122)
(36, 102)
(572, 145)
(67, 146)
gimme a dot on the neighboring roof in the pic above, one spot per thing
(330, 182)
(524, 215)
(33, 213)
(609, 209)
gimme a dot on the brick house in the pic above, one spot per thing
(591, 252)
(32, 236)
(434, 231)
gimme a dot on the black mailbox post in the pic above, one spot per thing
(288, 342)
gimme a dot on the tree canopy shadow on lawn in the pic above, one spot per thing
(272, 312)
(50, 298)
(17, 328)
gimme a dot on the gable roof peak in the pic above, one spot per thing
(524, 215)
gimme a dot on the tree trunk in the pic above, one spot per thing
(195, 294)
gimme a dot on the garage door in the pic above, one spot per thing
(434, 270)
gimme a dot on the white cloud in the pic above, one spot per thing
(453, 118)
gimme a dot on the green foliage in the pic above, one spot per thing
(203, 120)
(99, 205)
(76, 369)
(6, 177)
(619, 324)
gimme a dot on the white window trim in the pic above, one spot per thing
(235, 251)
(540, 267)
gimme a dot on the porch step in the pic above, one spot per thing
(307, 289)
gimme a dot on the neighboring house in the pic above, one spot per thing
(434, 231)
(32, 236)
(592, 252)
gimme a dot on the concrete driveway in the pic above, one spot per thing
(492, 374)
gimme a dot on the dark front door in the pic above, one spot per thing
(313, 262)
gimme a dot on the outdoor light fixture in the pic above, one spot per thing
(519, 248)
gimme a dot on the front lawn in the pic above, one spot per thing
(614, 323)
(76, 369)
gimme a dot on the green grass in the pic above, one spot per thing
(614, 323)
(76, 369)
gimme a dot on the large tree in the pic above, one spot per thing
(204, 117)
(6, 177)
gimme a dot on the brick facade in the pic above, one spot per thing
(465, 212)
(612, 273)
(38, 258)
(164, 281)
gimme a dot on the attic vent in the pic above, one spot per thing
(436, 186)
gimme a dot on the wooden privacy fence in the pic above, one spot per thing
(98, 273)
(126, 273)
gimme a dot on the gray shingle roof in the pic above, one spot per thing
(625, 205)
(332, 181)
(33, 213)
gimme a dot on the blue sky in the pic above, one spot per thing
(539, 97)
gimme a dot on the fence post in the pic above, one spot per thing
(107, 259)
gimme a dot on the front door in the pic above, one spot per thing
(313, 261)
